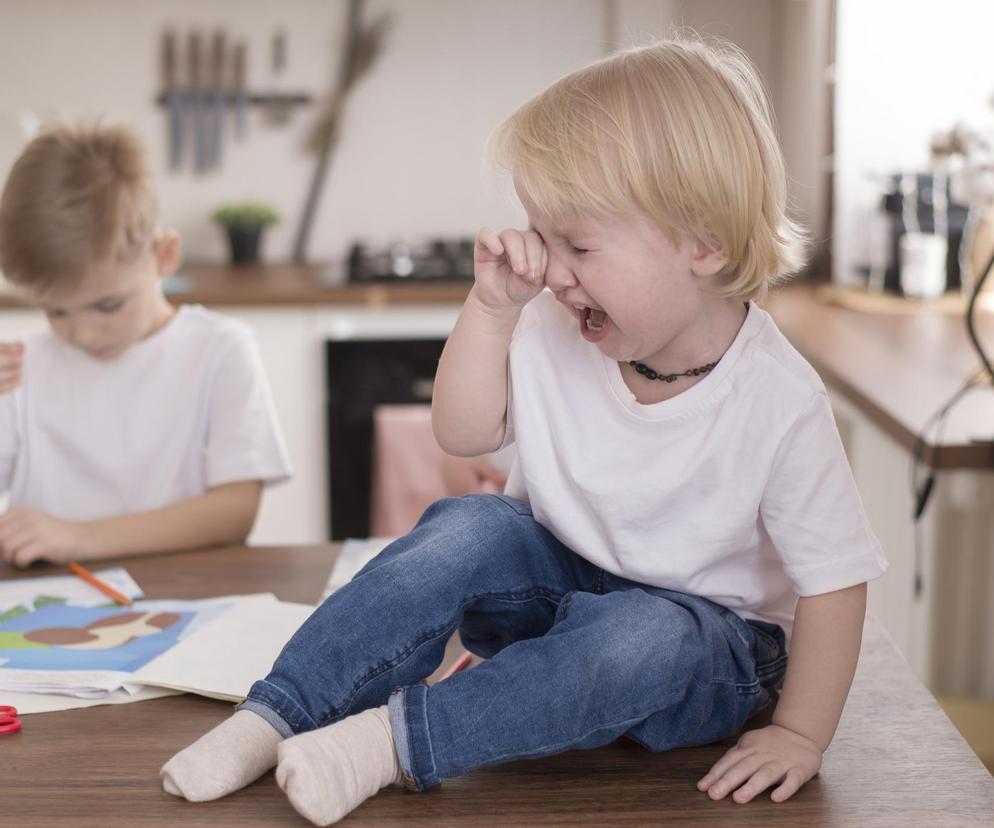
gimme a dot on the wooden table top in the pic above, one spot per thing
(898, 368)
(896, 760)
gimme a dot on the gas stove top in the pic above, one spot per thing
(436, 260)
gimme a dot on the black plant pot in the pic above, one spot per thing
(244, 243)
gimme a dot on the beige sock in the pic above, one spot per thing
(328, 772)
(223, 760)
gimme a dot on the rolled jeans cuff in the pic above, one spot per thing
(276, 707)
(270, 715)
(409, 722)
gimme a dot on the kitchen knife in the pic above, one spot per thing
(174, 100)
(196, 99)
(241, 91)
(278, 110)
(216, 98)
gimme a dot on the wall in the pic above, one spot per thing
(904, 70)
(411, 157)
(410, 162)
(800, 81)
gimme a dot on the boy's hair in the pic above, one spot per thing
(680, 130)
(78, 194)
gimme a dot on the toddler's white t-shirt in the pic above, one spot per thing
(182, 411)
(736, 490)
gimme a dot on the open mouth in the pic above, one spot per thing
(594, 319)
(593, 322)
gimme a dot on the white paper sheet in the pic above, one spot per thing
(27, 703)
(224, 658)
(74, 590)
(83, 684)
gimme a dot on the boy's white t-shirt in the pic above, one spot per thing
(182, 411)
(737, 490)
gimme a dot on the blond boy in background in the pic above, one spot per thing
(131, 426)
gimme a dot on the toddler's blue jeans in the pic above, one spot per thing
(576, 657)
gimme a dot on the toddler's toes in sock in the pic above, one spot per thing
(236, 752)
(328, 772)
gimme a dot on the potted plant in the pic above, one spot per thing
(244, 223)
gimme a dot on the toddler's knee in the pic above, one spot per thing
(639, 633)
(447, 533)
(474, 513)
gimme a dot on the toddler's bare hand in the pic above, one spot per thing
(769, 756)
(509, 267)
(11, 361)
(28, 535)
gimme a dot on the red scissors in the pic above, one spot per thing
(9, 721)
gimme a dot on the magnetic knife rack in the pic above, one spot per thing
(230, 98)
(213, 89)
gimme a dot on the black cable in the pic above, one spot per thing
(937, 418)
(970, 328)
(921, 492)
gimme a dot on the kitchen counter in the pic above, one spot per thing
(898, 364)
(289, 284)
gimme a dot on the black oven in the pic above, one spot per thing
(359, 375)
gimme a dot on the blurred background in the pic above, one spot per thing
(353, 135)
(410, 160)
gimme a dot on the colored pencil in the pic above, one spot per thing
(93, 580)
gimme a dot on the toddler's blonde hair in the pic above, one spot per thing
(680, 130)
(78, 194)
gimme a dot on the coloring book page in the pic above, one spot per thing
(19, 596)
(90, 651)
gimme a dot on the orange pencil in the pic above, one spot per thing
(93, 580)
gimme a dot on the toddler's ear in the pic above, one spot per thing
(168, 252)
(707, 259)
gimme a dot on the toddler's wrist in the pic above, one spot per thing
(501, 315)
(799, 735)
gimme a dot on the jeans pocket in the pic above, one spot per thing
(762, 659)
(770, 652)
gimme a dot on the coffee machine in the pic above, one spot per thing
(911, 203)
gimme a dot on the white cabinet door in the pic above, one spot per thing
(293, 512)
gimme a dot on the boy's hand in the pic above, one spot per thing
(28, 535)
(11, 360)
(509, 267)
(763, 758)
